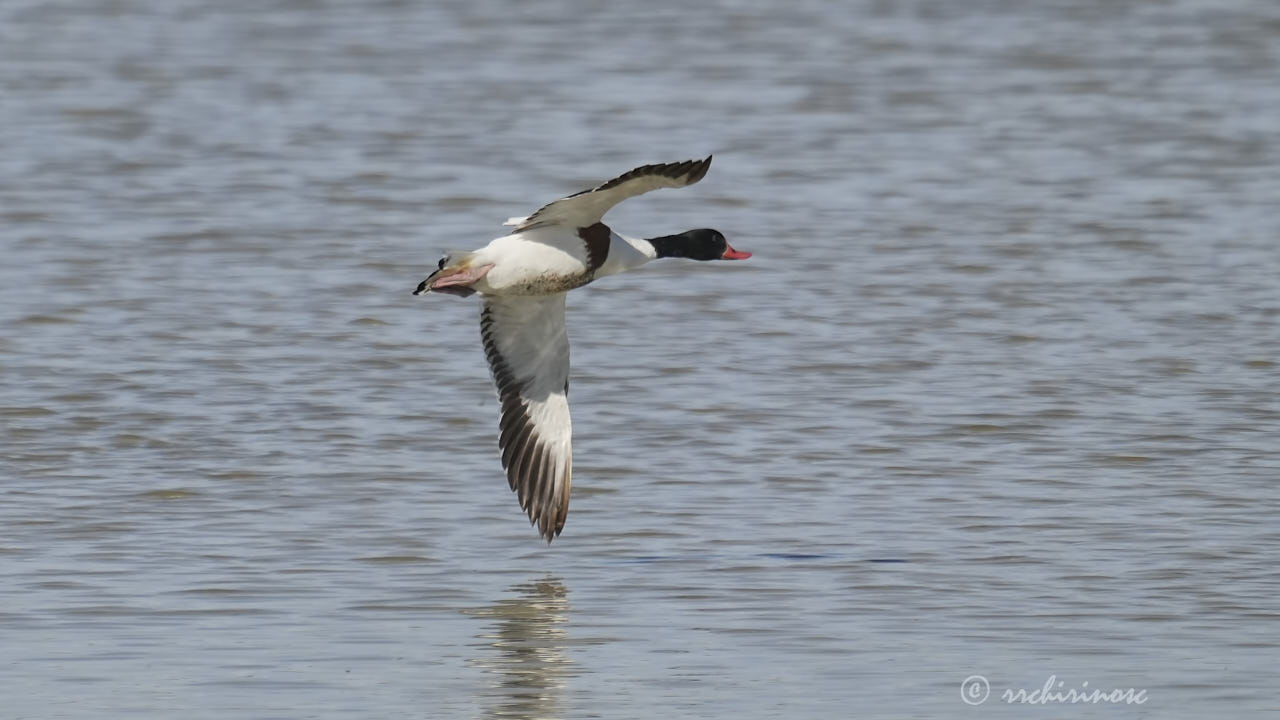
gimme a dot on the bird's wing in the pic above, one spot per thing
(589, 206)
(528, 351)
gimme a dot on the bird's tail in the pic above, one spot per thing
(455, 266)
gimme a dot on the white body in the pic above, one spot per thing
(551, 259)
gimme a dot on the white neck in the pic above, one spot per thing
(625, 254)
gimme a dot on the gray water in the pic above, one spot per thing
(998, 394)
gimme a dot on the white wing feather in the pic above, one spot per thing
(528, 351)
(589, 206)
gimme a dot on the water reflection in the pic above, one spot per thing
(528, 665)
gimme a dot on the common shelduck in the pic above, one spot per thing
(523, 278)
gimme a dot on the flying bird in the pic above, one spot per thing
(523, 277)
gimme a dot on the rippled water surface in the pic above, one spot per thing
(996, 396)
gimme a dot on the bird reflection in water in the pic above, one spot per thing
(530, 666)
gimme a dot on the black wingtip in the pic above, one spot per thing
(544, 532)
(698, 170)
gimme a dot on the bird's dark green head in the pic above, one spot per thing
(700, 244)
